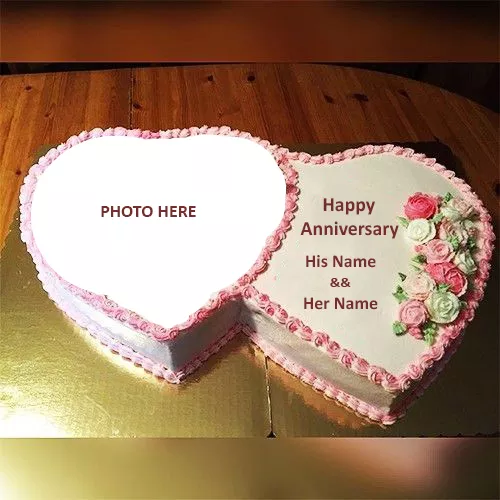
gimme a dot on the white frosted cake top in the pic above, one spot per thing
(387, 181)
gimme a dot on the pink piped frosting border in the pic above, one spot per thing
(350, 360)
(111, 308)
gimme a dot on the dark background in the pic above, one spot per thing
(476, 81)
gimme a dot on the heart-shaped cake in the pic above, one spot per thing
(165, 245)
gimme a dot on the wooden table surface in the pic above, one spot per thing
(281, 102)
(284, 103)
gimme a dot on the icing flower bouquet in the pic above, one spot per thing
(442, 231)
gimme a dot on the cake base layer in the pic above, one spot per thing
(172, 360)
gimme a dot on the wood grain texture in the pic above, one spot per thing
(285, 103)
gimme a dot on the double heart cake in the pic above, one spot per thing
(356, 272)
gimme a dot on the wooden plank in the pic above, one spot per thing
(212, 95)
(47, 109)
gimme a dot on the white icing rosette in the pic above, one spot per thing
(443, 307)
(465, 262)
(470, 228)
(418, 285)
(457, 209)
(420, 230)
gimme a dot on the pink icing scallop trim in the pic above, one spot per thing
(111, 308)
(416, 370)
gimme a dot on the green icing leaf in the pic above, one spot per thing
(400, 295)
(419, 259)
(402, 276)
(399, 328)
(447, 197)
(437, 218)
(455, 244)
(443, 287)
(463, 304)
(429, 331)
(430, 338)
(471, 243)
(430, 326)
(404, 222)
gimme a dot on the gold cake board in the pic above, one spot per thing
(57, 381)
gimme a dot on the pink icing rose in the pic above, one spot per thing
(223, 296)
(445, 229)
(412, 313)
(436, 251)
(320, 339)
(293, 324)
(121, 315)
(143, 326)
(457, 209)
(418, 286)
(262, 300)
(134, 319)
(269, 309)
(306, 333)
(158, 331)
(448, 274)
(245, 280)
(282, 315)
(420, 206)
(416, 332)
(346, 358)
